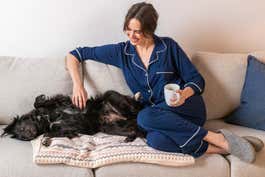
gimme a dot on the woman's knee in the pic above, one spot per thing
(144, 117)
(161, 142)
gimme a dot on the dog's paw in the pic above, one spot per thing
(137, 96)
(40, 101)
(46, 141)
(129, 138)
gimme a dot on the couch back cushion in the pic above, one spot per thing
(224, 76)
(99, 77)
(22, 79)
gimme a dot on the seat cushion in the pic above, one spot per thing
(239, 168)
(205, 166)
(16, 161)
(22, 79)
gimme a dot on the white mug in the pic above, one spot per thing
(170, 92)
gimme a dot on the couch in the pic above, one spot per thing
(22, 79)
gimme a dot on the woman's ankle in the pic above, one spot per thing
(217, 139)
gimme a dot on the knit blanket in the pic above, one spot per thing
(102, 149)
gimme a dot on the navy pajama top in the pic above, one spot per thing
(168, 64)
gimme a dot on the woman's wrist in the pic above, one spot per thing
(187, 92)
(73, 68)
(78, 86)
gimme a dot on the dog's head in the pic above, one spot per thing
(27, 127)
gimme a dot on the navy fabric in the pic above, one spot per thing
(168, 64)
(177, 129)
(168, 130)
(251, 112)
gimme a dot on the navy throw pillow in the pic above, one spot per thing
(251, 112)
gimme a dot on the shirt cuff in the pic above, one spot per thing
(77, 54)
(197, 89)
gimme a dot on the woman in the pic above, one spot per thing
(148, 63)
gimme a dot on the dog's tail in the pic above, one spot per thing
(4, 133)
(8, 129)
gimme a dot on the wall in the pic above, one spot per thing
(53, 27)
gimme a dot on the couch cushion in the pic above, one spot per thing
(205, 166)
(239, 168)
(16, 160)
(224, 74)
(224, 77)
(251, 111)
(99, 77)
(22, 79)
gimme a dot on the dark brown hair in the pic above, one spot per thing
(147, 16)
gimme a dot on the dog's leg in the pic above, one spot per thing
(135, 134)
(46, 141)
(130, 137)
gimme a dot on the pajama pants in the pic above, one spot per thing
(176, 129)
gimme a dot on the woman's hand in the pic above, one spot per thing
(79, 97)
(183, 95)
(175, 102)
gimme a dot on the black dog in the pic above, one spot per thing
(111, 113)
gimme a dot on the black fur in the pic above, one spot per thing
(111, 113)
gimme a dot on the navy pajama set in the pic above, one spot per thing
(172, 129)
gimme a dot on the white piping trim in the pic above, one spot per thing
(145, 70)
(132, 58)
(191, 137)
(138, 65)
(147, 80)
(125, 49)
(146, 73)
(163, 50)
(79, 54)
(194, 85)
(199, 147)
(161, 72)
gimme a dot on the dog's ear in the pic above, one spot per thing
(14, 136)
(9, 128)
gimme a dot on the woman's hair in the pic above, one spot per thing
(147, 16)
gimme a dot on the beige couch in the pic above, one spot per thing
(23, 78)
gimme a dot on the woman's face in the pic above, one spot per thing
(134, 32)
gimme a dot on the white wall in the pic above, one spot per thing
(53, 27)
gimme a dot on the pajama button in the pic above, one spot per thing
(146, 75)
(149, 91)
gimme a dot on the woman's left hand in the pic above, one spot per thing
(183, 94)
(181, 101)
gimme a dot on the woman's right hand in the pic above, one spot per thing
(79, 97)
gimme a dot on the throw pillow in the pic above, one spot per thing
(251, 112)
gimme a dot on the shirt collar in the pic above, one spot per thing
(160, 46)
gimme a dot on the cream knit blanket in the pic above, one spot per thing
(102, 149)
